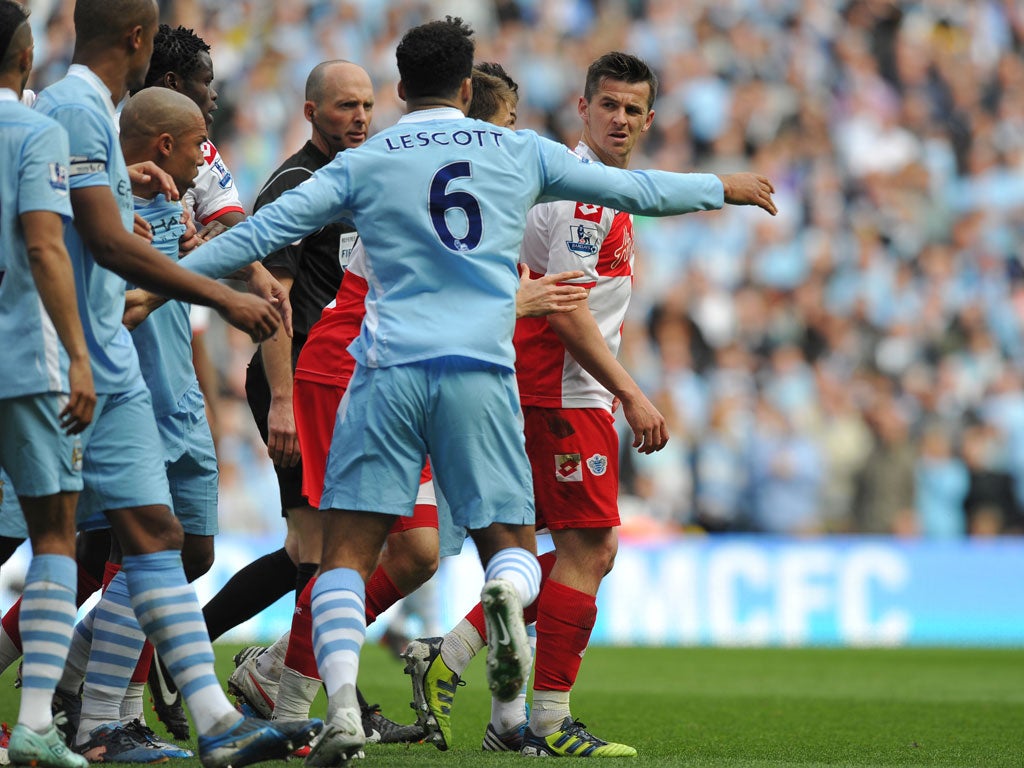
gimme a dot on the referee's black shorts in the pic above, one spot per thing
(257, 393)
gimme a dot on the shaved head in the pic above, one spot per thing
(15, 33)
(105, 21)
(155, 111)
(337, 70)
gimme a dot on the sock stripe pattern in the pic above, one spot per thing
(339, 626)
(47, 620)
(520, 567)
(116, 642)
(169, 612)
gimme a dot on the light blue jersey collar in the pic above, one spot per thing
(83, 72)
(438, 113)
(6, 94)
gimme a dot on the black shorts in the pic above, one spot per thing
(257, 393)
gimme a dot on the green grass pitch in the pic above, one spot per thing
(748, 708)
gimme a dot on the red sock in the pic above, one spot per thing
(381, 594)
(86, 586)
(565, 618)
(10, 623)
(299, 655)
(109, 572)
(141, 673)
(476, 614)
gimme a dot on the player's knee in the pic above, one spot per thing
(197, 559)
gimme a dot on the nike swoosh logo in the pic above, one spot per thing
(503, 638)
(168, 692)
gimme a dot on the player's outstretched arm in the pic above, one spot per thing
(546, 295)
(55, 281)
(98, 221)
(749, 189)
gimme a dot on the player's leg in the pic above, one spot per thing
(160, 596)
(576, 485)
(45, 465)
(377, 454)
(479, 460)
(192, 478)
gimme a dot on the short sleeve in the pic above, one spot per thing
(43, 174)
(89, 144)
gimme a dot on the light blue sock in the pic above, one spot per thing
(166, 607)
(116, 644)
(339, 630)
(518, 566)
(47, 622)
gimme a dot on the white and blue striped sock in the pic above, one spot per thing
(116, 643)
(47, 622)
(78, 654)
(168, 611)
(518, 566)
(339, 630)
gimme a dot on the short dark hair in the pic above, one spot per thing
(12, 16)
(99, 21)
(434, 58)
(174, 50)
(620, 66)
(489, 93)
(495, 69)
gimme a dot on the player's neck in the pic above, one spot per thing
(111, 72)
(434, 102)
(606, 159)
(12, 82)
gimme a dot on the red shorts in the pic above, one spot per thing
(316, 408)
(574, 456)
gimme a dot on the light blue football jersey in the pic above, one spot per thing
(164, 339)
(440, 203)
(82, 104)
(34, 156)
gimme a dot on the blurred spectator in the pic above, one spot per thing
(894, 132)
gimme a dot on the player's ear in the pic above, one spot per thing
(134, 38)
(172, 81)
(308, 110)
(649, 120)
(401, 90)
(466, 91)
(583, 107)
(166, 144)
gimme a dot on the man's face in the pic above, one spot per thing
(614, 118)
(342, 117)
(505, 116)
(199, 87)
(187, 155)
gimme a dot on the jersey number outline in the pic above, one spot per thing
(442, 201)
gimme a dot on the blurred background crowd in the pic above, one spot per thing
(855, 364)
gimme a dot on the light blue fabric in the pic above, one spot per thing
(82, 104)
(440, 203)
(34, 156)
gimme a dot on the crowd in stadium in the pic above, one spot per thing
(859, 355)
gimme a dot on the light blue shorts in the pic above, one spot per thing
(40, 459)
(463, 413)
(124, 459)
(12, 521)
(191, 464)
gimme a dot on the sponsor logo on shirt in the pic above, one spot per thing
(209, 152)
(222, 173)
(588, 212)
(568, 468)
(597, 464)
(59, 178)
(583, 240)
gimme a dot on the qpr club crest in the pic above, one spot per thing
(583, 240)
(597, 464)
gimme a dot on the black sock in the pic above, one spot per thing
(303, 574)
(257, 586)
